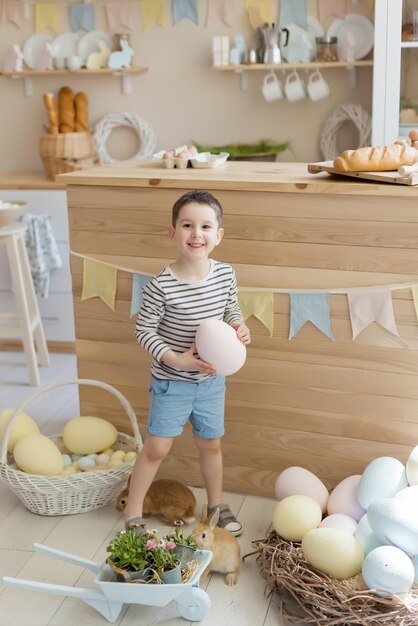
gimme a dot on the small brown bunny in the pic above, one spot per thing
(170, 498)
(226, 550)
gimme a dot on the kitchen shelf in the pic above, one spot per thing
(124, 73)
(243, 68)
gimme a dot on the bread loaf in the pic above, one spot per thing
(66, 110)
(51, 108)
(377, 159)
(81, 124)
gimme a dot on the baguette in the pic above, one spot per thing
(377, 159)
(66, 110)
(81, 120)
(51, 108)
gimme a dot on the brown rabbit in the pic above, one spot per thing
(226, 551)
(170, 498)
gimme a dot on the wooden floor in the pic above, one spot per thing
(88, 534)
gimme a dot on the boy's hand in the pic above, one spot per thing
(187, 361)
(243, 333)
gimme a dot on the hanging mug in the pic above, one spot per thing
(294, 87)
(272, 88)
(318, 88)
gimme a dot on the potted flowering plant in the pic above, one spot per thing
(135, 555)
(185, 545)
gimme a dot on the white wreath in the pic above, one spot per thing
(352, 112)
(143, 129)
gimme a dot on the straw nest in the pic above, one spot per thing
(325, 601)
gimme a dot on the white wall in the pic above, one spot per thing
(180, 95)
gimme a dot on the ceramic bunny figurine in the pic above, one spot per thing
(13, 61)
(121, 58)
(98, 59)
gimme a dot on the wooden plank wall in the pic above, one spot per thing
(328, 406)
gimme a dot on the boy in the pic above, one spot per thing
(184, 386)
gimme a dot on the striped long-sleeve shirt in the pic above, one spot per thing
(173, 308)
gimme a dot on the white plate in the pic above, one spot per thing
(362, 30)
(90, 43)
(34, 46)
(208, 160)
(315, 29)
(65, 45)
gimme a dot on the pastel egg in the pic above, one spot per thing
(37, 454)
(295, 515)
(86, 462)
(409, 493)
(333, 551)
(120, 453)
(388, 570)
(300, 481)
(341, 521)
(67, 460)
(395, 521)
(115, 461)
(415, 564)
(102, 459)
(108, 451)
(412, 467)
(343, 498)
(23, 425)
(382, 478)
(129, 456)
(87, 434)
(218, 344)
(365, 536)
(67, 471)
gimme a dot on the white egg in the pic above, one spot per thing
(395, 521)
(343, 498)
(412, 467)
(382, 478)
(365, 536)
(341, 521)
(388, 570)
(218, 344)
(409, 493)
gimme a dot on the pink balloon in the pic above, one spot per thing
(218, 344)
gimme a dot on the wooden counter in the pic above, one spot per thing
(32, 180)
(328, 406)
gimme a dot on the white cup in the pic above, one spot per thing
(294, 87)
(74, 62)
(318, 88)
(59, 63)
(272, 88)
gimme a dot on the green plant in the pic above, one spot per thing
(133, 551)
(245, 149)
(178, 537)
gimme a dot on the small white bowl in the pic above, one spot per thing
(59, 63)
(11, 211)
(74, 62)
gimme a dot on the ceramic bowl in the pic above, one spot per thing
(11, 211)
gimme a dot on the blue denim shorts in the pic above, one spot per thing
(173, 402)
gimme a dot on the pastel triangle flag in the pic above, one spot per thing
(220, 11)
(152, 12)
(13, 11)
(415, 297)
(371, 306)
(264, 8)
(331, 7)
(81, 17)
(370, 4)
(119, 14)
(99, 281)
(138, 283)
(259, 304)
(310, 307)
(46, 16)
(185, 9)
(293, 12)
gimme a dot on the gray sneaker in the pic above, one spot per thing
(227, 519)
(135, 523)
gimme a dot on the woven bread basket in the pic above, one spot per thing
(66, 152)
(74, 493)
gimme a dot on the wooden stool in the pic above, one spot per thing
(27, 324)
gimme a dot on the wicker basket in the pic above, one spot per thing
(74, 493)
(66, 152)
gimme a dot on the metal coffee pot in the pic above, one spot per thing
(271, 36)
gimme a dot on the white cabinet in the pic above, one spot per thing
(56, 310)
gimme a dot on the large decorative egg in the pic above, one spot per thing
(409, 493)
(343, 498)
(365, 536)
(87, 434)
(382, 478)
(341, 521)
(218, 344)
(388, 570)
(294, 516)
(300, 481)
(333, 551)
(412, 467)
(23, 425)
(395, 521)
(36, 454)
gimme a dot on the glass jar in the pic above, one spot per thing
(326, 49)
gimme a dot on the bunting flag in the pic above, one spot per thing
(310, 307)
(152, 12)
(46, 16)
(370, 4)
(138, 283)
(293, 12)
(331, 7)
(81, 17)
(264, 8)
(13, 11)
(371, 306)
(185, 9)
(119, 14)
(258, 304)
(415, 297)
(99, 281)
(220, 11)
